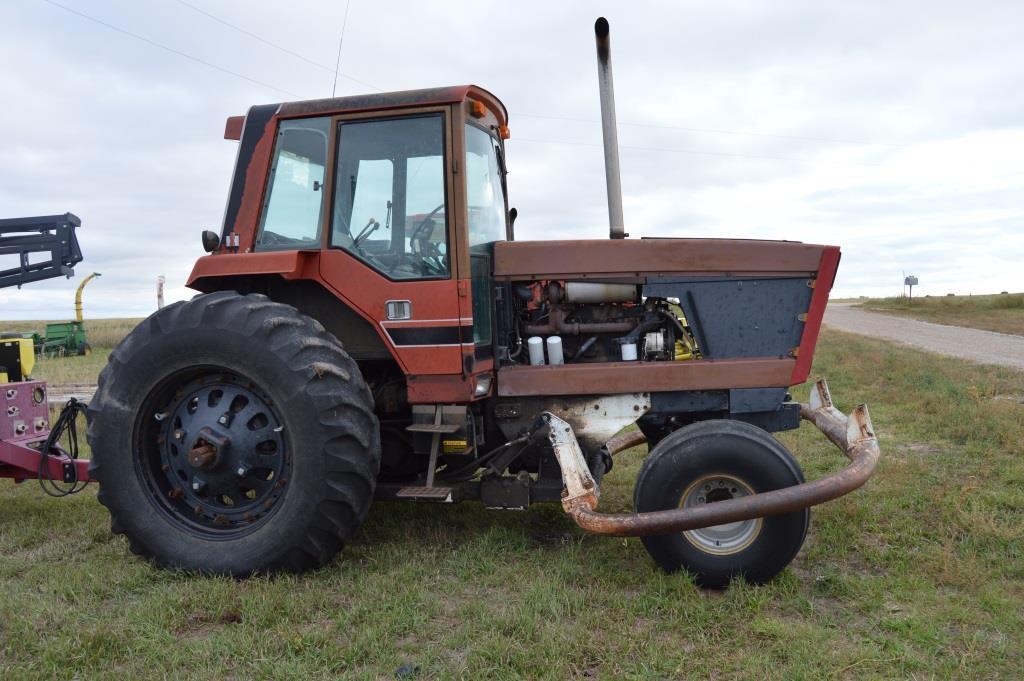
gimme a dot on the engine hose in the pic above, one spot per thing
(641, 329)
(584, 346)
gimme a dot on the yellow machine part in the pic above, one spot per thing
(26, 355)
(78, 295)
(686, 347)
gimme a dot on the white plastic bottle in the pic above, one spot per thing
(535, 344)
(555, 350)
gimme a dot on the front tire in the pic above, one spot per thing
(233, 435)
(713, 461)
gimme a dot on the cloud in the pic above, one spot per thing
(891, 129)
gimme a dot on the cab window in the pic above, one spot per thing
(484, 192)
(293, 204)
(389, 196)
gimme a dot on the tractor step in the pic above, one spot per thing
(442, 494)
(432, 428)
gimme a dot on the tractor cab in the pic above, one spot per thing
(391, 204)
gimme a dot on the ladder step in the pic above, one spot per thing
(426, 493)
(432, 428)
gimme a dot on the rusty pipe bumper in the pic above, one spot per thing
(853, 435)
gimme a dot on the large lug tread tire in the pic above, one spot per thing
(326, 408)
(718, 449)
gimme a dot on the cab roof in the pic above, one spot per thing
(378, 101)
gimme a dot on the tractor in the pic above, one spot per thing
(368, 329)
(67, 338)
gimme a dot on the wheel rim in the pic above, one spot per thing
(213, 453)
(723, 539)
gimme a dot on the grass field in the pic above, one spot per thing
(102, 334)
(918, 575)
(1002, 313)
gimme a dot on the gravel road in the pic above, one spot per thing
(986, 347)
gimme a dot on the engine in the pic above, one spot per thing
(559, 322)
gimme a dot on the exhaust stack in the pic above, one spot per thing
(616, 224)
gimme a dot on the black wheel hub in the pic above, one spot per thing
(220, 464)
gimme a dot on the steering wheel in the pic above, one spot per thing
(419, 238)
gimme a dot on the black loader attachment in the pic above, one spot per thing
(46, 247)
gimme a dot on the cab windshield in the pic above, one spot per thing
(484, 192)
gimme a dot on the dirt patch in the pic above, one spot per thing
(923, 448)
(199, 625)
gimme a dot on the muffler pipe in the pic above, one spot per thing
(853, 435)
(609, 129)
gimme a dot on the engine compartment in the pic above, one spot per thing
(575, 322)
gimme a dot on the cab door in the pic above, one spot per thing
(390, 250)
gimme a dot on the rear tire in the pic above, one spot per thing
(233, 435)
(713, 461)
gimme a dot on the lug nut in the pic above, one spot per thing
(242, 470)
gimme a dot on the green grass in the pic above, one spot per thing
(919, 574)
(1002, 313)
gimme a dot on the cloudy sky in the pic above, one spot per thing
(895, 129)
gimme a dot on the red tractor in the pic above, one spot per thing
(369, 328)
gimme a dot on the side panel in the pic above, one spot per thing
(430, 342)
(739, 317)
(617, 377)
(603, 258)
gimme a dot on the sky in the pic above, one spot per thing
(892, 129)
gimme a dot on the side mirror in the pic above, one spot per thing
(211, 241)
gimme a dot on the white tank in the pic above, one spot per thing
(591, 292)
(555, 350)
(628, 352)
(535, 344)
